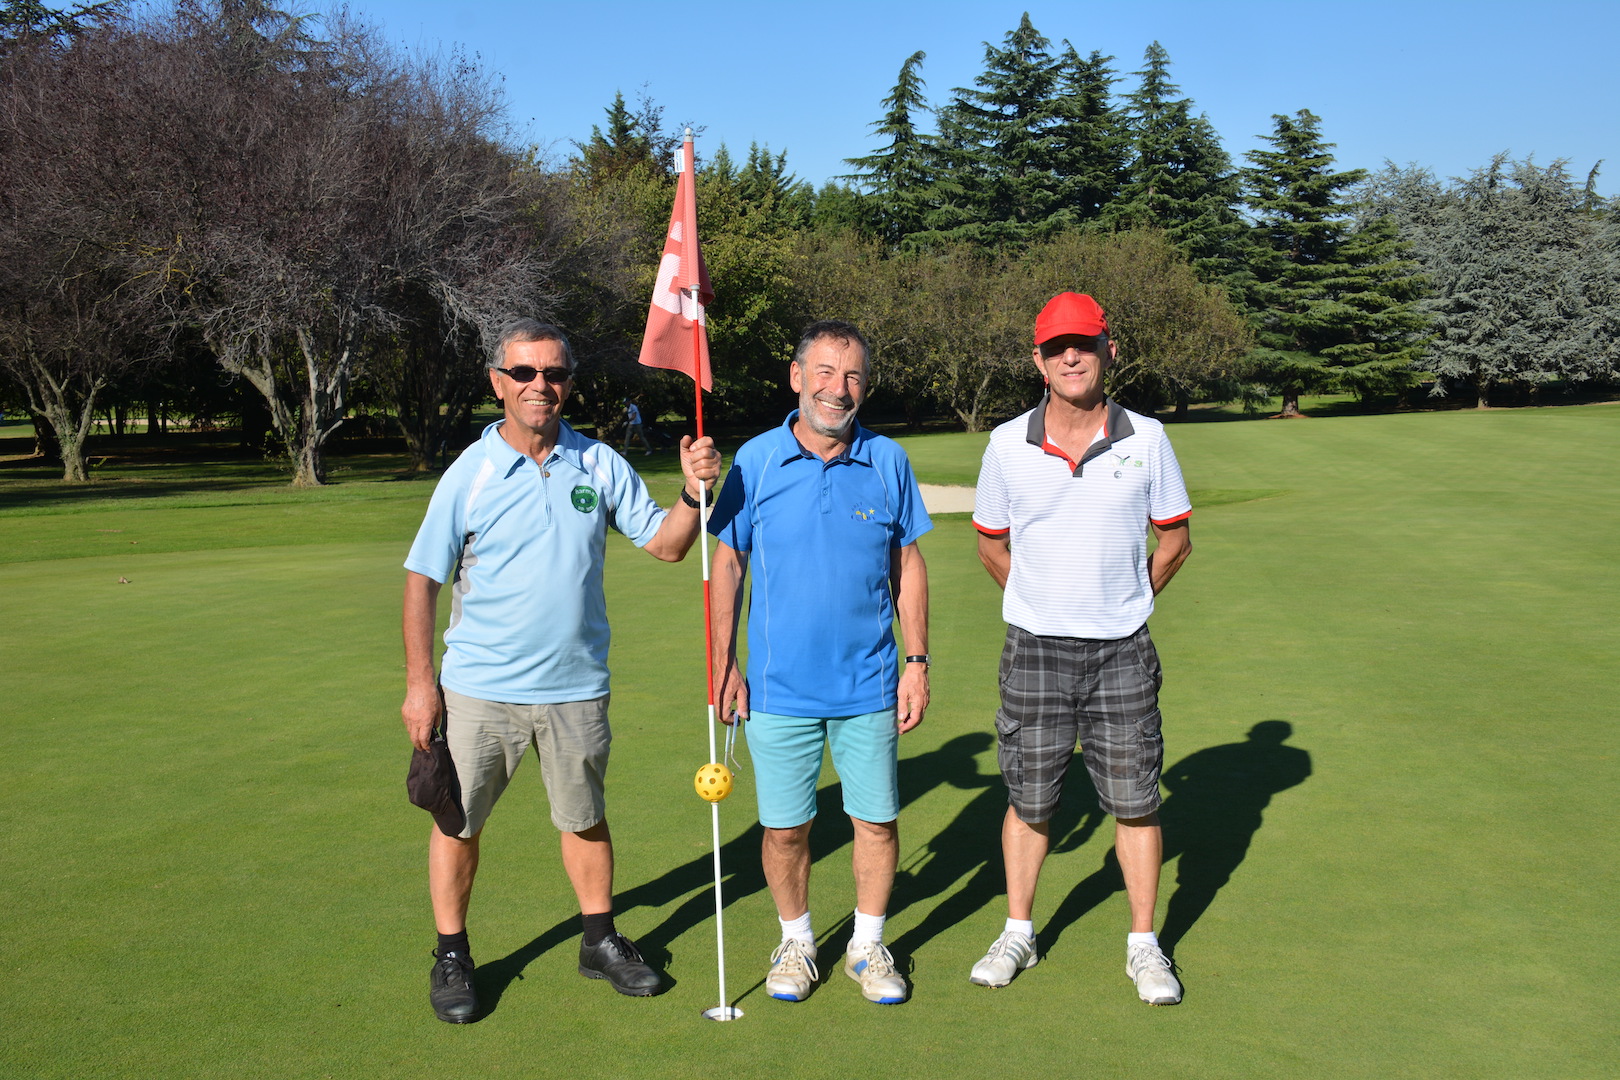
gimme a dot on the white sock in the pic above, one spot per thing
(1149, 938)
(798, 928)
(867, 928)
(1022, 926)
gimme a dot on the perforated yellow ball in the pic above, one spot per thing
(713, 782)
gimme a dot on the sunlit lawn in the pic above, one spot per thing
(210, 869)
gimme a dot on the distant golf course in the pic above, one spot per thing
(1391, 729)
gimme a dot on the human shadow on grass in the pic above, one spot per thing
(971, 845)
(742, 876)
(1217, 796)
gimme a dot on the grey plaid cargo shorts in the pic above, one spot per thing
(1103, 695)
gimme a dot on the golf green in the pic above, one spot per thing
(1391, 744)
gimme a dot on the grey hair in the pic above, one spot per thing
(838, 330)
(525, 329)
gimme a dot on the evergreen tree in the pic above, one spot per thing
(898, 179)
(1094, 144)
(1299, 229)
(632, 139)
(1000, 148)
(1179, 179)
(1523, 268)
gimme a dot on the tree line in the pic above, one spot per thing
(229, 213)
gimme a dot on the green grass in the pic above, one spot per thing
(210, 869)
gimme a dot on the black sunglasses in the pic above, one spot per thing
(523, 373)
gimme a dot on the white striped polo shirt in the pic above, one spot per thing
(1079, 529)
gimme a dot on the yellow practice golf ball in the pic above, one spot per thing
(713, 782)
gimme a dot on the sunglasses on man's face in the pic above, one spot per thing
(523, 373)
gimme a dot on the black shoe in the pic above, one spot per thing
(450, 988)
(616, 959)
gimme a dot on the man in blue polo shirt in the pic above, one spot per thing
(518, 525)
(829, 515)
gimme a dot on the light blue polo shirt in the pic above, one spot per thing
(819, 537)
(528, 620)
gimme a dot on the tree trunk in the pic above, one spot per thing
(1290, 407)
(1483, 394)
(1183, 408)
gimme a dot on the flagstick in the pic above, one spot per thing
(723, 1011)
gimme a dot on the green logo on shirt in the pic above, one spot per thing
(584, 499)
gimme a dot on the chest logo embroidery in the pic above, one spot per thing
(584, 498)
(864, 513)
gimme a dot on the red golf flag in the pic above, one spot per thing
(671, 338)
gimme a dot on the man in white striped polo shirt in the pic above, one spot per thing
(1066, 496)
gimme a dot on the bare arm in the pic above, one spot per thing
(1174, 545)
(727, 573)
(908, 578)
(700, 463)
(421, 709)
(996, 554)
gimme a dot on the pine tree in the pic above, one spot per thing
(1093, 143)
(1300, 226)
(999, 148)
(898, 179)
(1523, 268)
(1179, 178)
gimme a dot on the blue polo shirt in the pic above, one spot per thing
(528, 620)
(820, 537)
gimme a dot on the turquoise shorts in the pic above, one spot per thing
(786, 755)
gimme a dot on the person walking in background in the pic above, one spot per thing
(634, 428)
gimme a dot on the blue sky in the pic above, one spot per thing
(1442, 84)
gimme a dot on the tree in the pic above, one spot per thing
(898, 180)
(1178, 337)
(77, 292)
(1521, 264)
(1093, 144)
(31, 24)
(1179, 178)
(999, 147)
(331, 190)
(1330, 307)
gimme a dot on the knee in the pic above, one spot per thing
(876, 831)
(788, 839)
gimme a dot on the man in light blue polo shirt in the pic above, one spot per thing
(829, 515)
(518, 525)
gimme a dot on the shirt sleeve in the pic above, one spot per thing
(911, 518)
(1167, 501)
(443, 533)
(730, 519)
(990, 511)
(633, 512)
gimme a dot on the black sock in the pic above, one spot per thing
(597, 927)
(454, 943)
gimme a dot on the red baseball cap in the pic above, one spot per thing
(1070, 313)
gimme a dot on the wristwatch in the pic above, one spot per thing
(708, 497)
(919, 659)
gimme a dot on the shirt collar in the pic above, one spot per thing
(570, 447)
(859, 450)
(1116, 428)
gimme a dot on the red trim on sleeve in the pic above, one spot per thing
(1172, 521)
(994, 534)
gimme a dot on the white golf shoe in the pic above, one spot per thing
(793, 970)
(1150, 970)
(1012, 952)
(870, 964)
